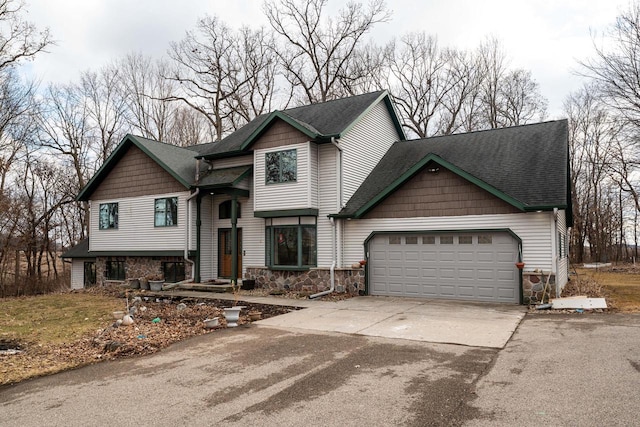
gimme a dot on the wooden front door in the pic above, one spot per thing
(224, 252)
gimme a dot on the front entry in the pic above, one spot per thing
(224, 253)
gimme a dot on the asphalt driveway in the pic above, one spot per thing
(556, 370)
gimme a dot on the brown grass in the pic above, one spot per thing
(620, 285)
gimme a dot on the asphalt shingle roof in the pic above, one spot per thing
(324, 119)
(527, 163)
(80, 250)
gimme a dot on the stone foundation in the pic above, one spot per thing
(314, 280)
(137, 267)
(533, 283)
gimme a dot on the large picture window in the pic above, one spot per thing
(108, 216)
(114, 270)
(281, 166)
(291, 246)
(166, 212)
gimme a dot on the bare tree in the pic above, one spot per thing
(315, 51)
(423, 80)
(19, 40)
(147, 95)
(593, 136)
(106, 108)
(225, 75)
(615, 69)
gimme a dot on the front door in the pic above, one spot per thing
(224, 253)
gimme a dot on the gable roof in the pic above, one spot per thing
(320, 122)
(526, 166)
(179, 162)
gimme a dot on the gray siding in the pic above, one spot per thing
(136, 230)
(535, 229)
(289, 195)
(328, 200)
(363, 147)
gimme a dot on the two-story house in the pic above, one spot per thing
(296, 198)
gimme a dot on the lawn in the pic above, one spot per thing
(621, 285)
(44, 329)
(62, 331)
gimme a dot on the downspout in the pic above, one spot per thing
(558, 244)
(186, 234)
(339, 165)
(234, 239)
(340, 189)
(333, 262)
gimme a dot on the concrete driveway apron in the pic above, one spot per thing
(437, 321)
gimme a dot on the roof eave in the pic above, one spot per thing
(112, 160)
(269, 120)
(390, 108)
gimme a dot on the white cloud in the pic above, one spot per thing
(545, 36)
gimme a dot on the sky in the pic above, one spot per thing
(547, 37)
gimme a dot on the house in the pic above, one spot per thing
(296, 198)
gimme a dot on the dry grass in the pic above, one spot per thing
(67, 330)
(620, 285)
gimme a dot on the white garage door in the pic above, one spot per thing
(472, 266)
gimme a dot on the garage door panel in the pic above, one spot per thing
(429, 256)
(469, 266)
(412, 289)
(411, 272)
(466, 256)
(447, 273)
(466, 274)
(506, 275)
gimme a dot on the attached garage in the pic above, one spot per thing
(475, 266)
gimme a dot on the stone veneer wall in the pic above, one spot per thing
(533, 283)
(349, 280)
(137, 267)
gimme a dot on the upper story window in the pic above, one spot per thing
(281, 166)
(166, 212)
(224, 210)
(108, 216)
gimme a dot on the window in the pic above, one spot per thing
(224, 210)
(89, 273)
(446, 240)
(114, 270)
(108, 216)
(173, 271)
(485, 239)
(281, 166)
(395, 240)
(465, 240)
(411, 240)
(562, 245)
(166, 212)
(291, 246)
(428, 240)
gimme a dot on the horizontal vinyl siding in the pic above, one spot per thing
(363, 147)
(233, 162)
(252, 234)
(206, 243)
(136, 231)
(328, 201)
(77, 273)
(290, 195)
(535, 230)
